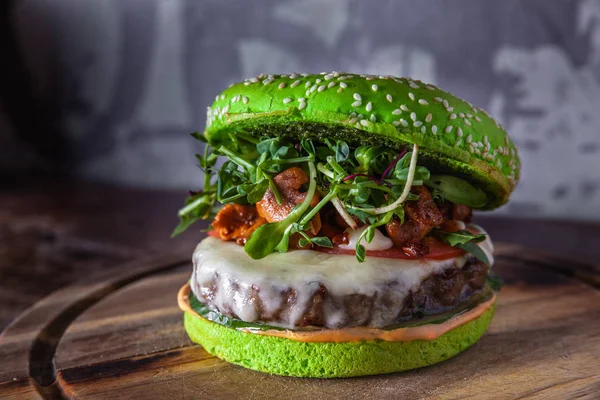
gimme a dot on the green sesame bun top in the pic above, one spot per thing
(453, 135)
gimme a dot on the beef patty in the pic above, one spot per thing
(440, 292)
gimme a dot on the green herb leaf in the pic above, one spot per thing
(476, 251)
(457, 190)
(361, 253)
(199, 206)
(258, 191)
(342, 151)
(199, 136)
(458, 237)
(322, 241)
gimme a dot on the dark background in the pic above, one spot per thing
(109, 89)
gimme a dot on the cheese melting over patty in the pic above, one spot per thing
(237, 280)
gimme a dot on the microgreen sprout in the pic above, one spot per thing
(368, 183)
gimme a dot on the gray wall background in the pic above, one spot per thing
(133, 77)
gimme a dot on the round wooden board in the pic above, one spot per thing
(544, 342)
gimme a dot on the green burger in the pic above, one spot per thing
(341, 241)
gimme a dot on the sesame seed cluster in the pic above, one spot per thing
(384, 105)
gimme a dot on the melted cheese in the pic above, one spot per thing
(236, 277)
(423, 332)
(379, 242)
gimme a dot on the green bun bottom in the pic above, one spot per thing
(288, 357)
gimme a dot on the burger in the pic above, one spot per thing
(341, 242)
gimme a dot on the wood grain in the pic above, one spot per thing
(543, 344)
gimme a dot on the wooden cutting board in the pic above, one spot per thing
(124, 339)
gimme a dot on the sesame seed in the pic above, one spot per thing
(424, 102)
(301, 105)
(287, 100)
(369, 106)
(307, 84)
(485, 139)
(469, 115)
(471, 148)
(452, 116)
(423, 129)
(388, 97)
(343, 85)
(353, 114)
(360, 116)
(330, 85)
(364, 122)
(226, 109)
(373, 118)
(293, 75)
(477, 119)
(296, 83)
(328, 77)
(301, 99)
(469, 138)
(267, 81)
(357, 103)
(304, 75)
(467, 122)
(428, 118)
(281, 85)
(318, 80)
(403, 122)
(374, 87)
(413, 116)
(438, 99)
(462, 115)
(253, 80)
(247, 83)
(357, 96)
(321, 88)
(412, 96)
(370, 78)
(446, 104)
(450, 109)
(434, 129)
(428, 87)
(217, 98)
(245, 100)
(396, 123)
(313, 88)
(413, 85)
(458, 142)
(459, 132)
(404, 108)
(353, 120)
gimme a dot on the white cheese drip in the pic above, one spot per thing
(237, 278)
(379, 242)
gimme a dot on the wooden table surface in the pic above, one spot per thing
(53, 234)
